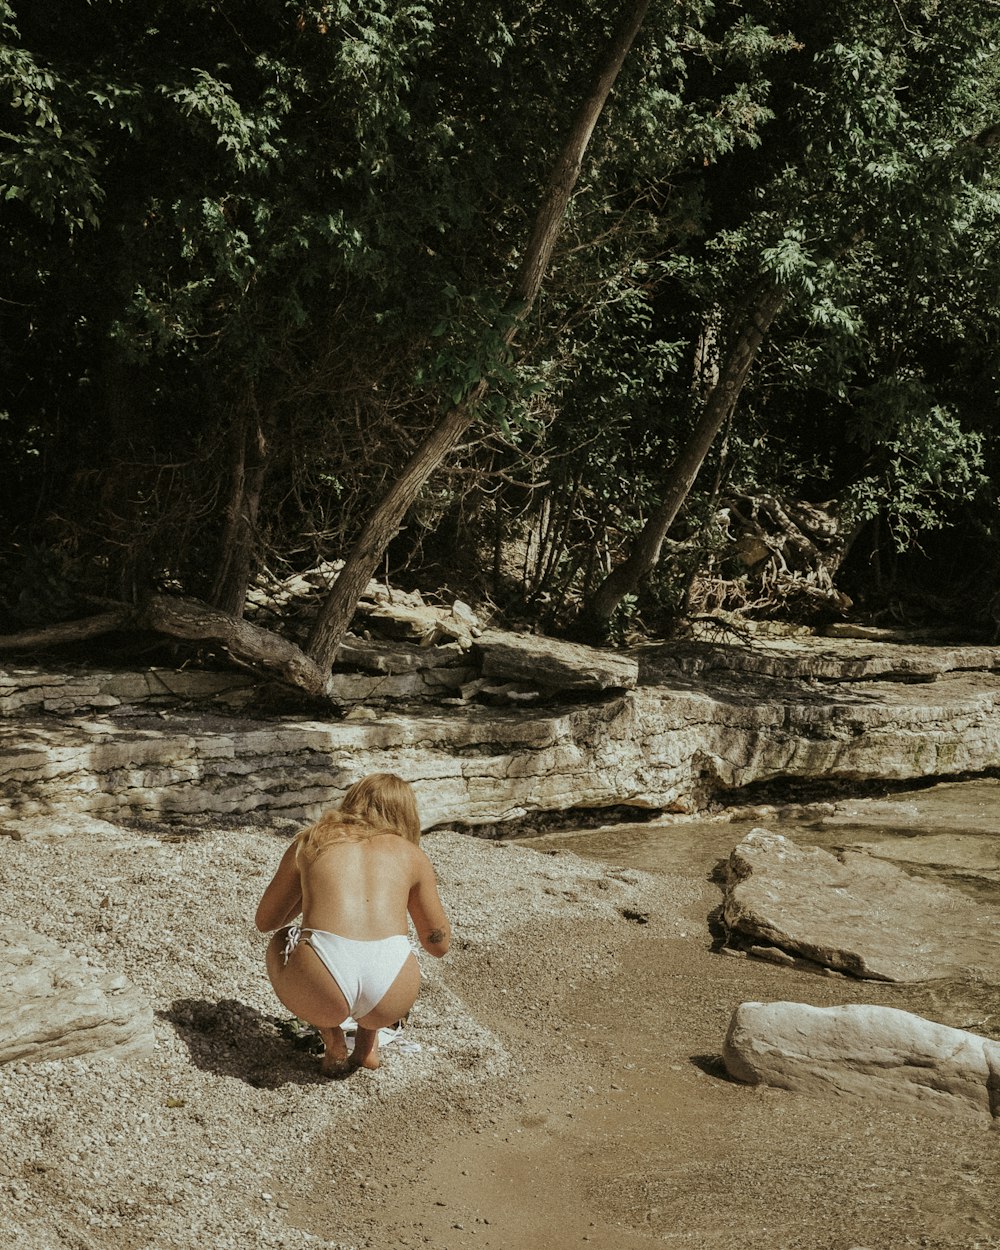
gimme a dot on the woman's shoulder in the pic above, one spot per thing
(400, 850)
(388, 842)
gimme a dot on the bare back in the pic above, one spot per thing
(360, 888)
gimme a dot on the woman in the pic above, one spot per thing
(354, 875)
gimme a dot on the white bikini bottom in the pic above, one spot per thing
(363, 970)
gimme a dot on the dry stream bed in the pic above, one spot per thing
(567, 1091)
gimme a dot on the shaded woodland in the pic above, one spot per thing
(597, 317)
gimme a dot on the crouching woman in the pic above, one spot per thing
(354, 876)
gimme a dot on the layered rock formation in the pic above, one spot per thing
(672, 743)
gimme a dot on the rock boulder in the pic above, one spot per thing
(53, 1005)
(855, 914)
(547, 663)
(865, 1052)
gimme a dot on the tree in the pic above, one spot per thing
(247, 268)
(336, 613)
(719, 406)
(262, 272)
(873, 154)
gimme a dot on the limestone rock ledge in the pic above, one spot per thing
(669, 747)
(866, 1052)
(54, 1005)
(854, 913)
(702, 721)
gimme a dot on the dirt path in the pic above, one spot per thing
(624, 1132)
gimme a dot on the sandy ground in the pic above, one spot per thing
(567, 1091)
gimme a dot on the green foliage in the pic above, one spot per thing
(303, 220)
(925, 463)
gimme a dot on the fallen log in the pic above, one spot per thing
(66, 631)
(194, 621)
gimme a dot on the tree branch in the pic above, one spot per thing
(66, 632)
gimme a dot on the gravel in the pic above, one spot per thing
(568, 1089)
(188, 1147)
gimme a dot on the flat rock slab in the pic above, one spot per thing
(826, 660)
(59, 826)
(547, 663)
(26, 689)
(864, 1052)
(967, 855)
(855, 914)
(389, 672)
(53, 1005)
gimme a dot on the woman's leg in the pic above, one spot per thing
(392, 1006)
(305, 987)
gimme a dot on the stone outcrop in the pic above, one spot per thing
(25, 689)
(391, 611)
(547, 663)
(427, 625)
(854, 913)
(827, 660)
(868, 1052)
(388, 673)
(468, 764)
(54, 1005)
(113, 751)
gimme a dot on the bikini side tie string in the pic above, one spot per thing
(292, 939)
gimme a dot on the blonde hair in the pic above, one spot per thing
(387, 800)
(380, 803)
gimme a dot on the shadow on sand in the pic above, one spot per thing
(713, 1065)
(231, 1039)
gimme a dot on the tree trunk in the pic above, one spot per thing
(384, 522)
(260, 648)
(68, 631)
(624, 579)
(247, 472)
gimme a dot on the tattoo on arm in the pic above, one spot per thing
(435, 937)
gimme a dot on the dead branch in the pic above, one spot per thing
(250, 644)
(66, 632)
(176, 617)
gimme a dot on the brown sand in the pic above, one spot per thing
(624, 1131)
(568, 1091)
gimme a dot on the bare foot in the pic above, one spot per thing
(335, 1056)
(365, 1054)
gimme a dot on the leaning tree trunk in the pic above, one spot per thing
(248, 468)
(384, 523)
(596, 612)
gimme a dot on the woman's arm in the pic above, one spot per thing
(282, 900)
(426, 910)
